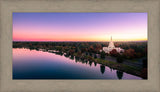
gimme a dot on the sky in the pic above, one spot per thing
(79, 26)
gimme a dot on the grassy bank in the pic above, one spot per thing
(118, 66)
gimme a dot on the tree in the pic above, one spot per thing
(103, 54)
(90, 54)
(120, 59)
(91, 49)
(86, 53)
(114, 53)
(71, 52)
(145, 63)
(130, 53)
(95, 56)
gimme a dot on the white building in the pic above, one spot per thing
(111, 47)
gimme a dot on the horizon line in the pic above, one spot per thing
(82, 41)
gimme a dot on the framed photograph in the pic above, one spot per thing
(79, 45)
(95, 48)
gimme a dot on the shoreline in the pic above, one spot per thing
(136, 71)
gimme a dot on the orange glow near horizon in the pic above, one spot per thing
(80, 39)
(76, 37)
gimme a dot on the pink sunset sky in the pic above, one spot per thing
(79, 26)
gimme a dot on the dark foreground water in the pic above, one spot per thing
(32, 64)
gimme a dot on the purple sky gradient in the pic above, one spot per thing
(79, 26)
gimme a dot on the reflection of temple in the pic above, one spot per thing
(119, 74)
(111, 47)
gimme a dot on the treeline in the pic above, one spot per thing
(132, 49)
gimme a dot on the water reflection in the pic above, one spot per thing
(59, 53)
(102, 67)
(86, 61)
(66, 56)
(90, 63)
(83, 61)
(56, 66)
(111, 69)
(72, 57)
(119, 74)
(76, 59)
(95, 64)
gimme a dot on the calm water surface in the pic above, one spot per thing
(33, 64)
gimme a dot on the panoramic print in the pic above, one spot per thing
(111, 46)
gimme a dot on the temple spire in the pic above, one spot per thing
(111, 38)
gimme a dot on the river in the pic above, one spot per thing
(33, 64)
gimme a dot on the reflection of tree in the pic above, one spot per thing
(31, 48)
(72, 57)
(86, 61)
(119, 74)
(83, 61)
(37, 49)
(59, 53)
(110, 69)
(90, 63)
(76, 59)
(102, 69)
(66, 56)
(95, 63)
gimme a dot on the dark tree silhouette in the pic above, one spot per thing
(120, 59)
(103, 54)
(119, 74)
(102, 67)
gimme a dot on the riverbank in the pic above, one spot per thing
(137, 71)
(134, 70)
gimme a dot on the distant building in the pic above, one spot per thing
(111, 47)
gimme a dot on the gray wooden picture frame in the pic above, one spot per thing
(7, 7)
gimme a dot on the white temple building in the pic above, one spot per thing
(111, 47)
